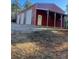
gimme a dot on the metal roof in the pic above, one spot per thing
(52, 7)
(47, 6)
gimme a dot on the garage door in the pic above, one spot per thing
(18, 19)
(28, 17)
(22, 18)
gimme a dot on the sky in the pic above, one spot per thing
(61, 3)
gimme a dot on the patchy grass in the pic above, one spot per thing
(40, 45)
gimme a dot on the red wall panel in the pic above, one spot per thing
(51, 19)
(44, 17)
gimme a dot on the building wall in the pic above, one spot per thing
(51, 19)
(31, 17)
(28, 16)
(44, 17)
(22, 28)
(22, 18)
(34, 15)
(25, 16)
(18, 17)
(58, 20)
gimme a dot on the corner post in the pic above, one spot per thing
(47, 17)
(54, 20)
(61, 22)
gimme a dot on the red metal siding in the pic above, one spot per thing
(51, 19)
(44, 17)
(53, 8)
(58, 23)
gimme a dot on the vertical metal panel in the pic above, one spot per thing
(44, 17)
(61, 21)
(54, 19)
(28, 17)
(18, 19)
(47, 16)
(34, 15)
(22, 18)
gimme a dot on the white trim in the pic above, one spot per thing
(42, 9)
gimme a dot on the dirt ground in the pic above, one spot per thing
(40, 45)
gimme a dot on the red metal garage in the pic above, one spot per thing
(44, 14)
(50, 14)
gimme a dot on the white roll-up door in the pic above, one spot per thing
(28, 16)
(22, 18)
(18, 19)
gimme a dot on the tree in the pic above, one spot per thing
(66, 9)
(27, 4)
(66, 17)
(15, 8)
